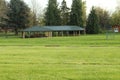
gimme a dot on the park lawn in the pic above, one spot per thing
(89, 57)
(83, 40)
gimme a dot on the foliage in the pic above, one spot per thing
(65, 13)
(92, 22)
(115, 18)
(104, 18)
(3, 13)
(52, 15)
(18, 15)
(84, 13)
(76, 13)
(35, 12)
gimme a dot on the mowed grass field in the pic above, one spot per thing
(89, 57)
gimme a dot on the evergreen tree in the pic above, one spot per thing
(92, 23)
(64, 13)
(52, 15)
(76, 13)
(18, 15)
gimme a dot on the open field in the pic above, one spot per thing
(88, 40)
(89, 57)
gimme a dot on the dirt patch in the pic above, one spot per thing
(52, 45)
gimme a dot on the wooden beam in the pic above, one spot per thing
(23, 34)
(62, 33)
(85, 32)
(67, 33)
(29, 34)
(50, 34)
(79, 32)
(57, 33)
(73, 33)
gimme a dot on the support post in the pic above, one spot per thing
(57, 33)
(23, 34)
(29, 34)
(79, 32)
(62, 33)
(67, 33)
(73, 33)
(84, 31)
(50, 33)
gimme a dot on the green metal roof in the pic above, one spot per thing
(53, 28)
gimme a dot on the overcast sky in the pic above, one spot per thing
(106, 4)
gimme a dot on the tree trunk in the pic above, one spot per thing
(6, 32)
(16, 31)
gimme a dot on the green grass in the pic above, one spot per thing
(88, 40)
(89, 57)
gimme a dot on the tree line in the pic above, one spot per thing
(17, 15)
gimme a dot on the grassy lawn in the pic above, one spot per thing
(89, 57)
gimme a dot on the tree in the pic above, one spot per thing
(115, 18)
(104, 18)
(3, 13)
(52, 15)
(64, 13)
(92, 23)
(18, 15)
(35, 12)
(76, 13)
(84, 13)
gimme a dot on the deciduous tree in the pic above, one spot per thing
(84, 13)
(65, 13)
(104, 18)
(115, 18)
(35, 12)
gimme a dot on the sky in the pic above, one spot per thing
(109, 5)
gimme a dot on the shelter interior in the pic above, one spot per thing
(52, 31)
